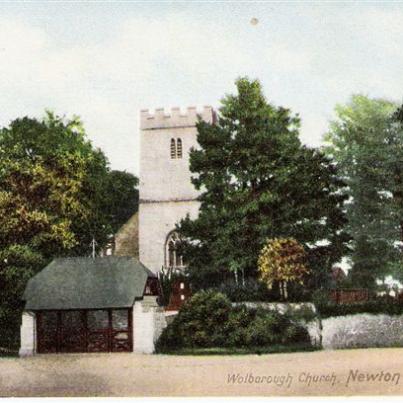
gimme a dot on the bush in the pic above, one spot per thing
(10, 332)
(197, 323)
(320, 297)
(208, 320)
(376, 306)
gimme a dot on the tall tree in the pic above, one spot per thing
(259, 182)
(123, 198)
(57, 193)
(366, 140)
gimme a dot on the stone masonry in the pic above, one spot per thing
(166, 192)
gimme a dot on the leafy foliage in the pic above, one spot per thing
(249, 290)
(208, 320)
(366, 141)
(282, 260)
(259, 182)
(122, 198)
(57, 193)
(376, 306)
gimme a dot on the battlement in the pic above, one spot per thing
(162, 119)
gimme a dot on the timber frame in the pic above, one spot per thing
(82, 337)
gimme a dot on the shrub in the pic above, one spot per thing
(197, 323)
(376, 306)
(305, 314)
(208, 320)
(320, 297)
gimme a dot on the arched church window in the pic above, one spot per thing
(171, 253)
(173, 258)
(179, 148)
(173, 149)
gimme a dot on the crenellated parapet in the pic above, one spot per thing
(174, 117)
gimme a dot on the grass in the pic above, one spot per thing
(274, 349)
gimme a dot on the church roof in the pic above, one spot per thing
(86, 283)
(127, 238)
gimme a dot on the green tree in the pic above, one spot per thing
(123, 198)
(259, 182)
(366, 140)
(57, 193)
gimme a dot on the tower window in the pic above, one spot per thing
(173, 258)
(173, 149)
(179, 148)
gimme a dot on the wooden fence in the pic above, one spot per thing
(349, 295)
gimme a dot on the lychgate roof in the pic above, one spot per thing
(86, 283)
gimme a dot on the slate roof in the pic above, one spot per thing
(86, 283)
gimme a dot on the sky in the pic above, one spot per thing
(104, 61)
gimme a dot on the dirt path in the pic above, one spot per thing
(343, 372)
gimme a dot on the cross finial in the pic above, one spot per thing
(93, 244)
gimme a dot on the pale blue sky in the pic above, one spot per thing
(106, 60)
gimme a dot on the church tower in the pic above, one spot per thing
(166, 192)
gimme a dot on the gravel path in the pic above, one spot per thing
(342, 372)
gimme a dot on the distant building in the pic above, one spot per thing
(338, 275)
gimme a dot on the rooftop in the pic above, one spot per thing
(87, 283)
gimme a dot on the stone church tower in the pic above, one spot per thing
(166, 192)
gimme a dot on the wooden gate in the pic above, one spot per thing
(80, 331)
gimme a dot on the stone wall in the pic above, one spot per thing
(281, 307)
(166, 192)
(362, 331)
(148, 323)
(338, 332)
(161, 177)
(28, 334)
(156, 221)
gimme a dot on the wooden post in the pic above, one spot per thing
(130, 328)
(59, 332)
(110, 331)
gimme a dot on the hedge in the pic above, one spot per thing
(208, 320)
(372, 307)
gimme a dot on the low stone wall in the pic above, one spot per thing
(281, 307)
(362, 330)
(148, 323)
(340, 332)
(28, 334)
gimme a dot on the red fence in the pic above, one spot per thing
(349, 295)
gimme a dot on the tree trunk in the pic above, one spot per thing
(401, 235)
(283, 290)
